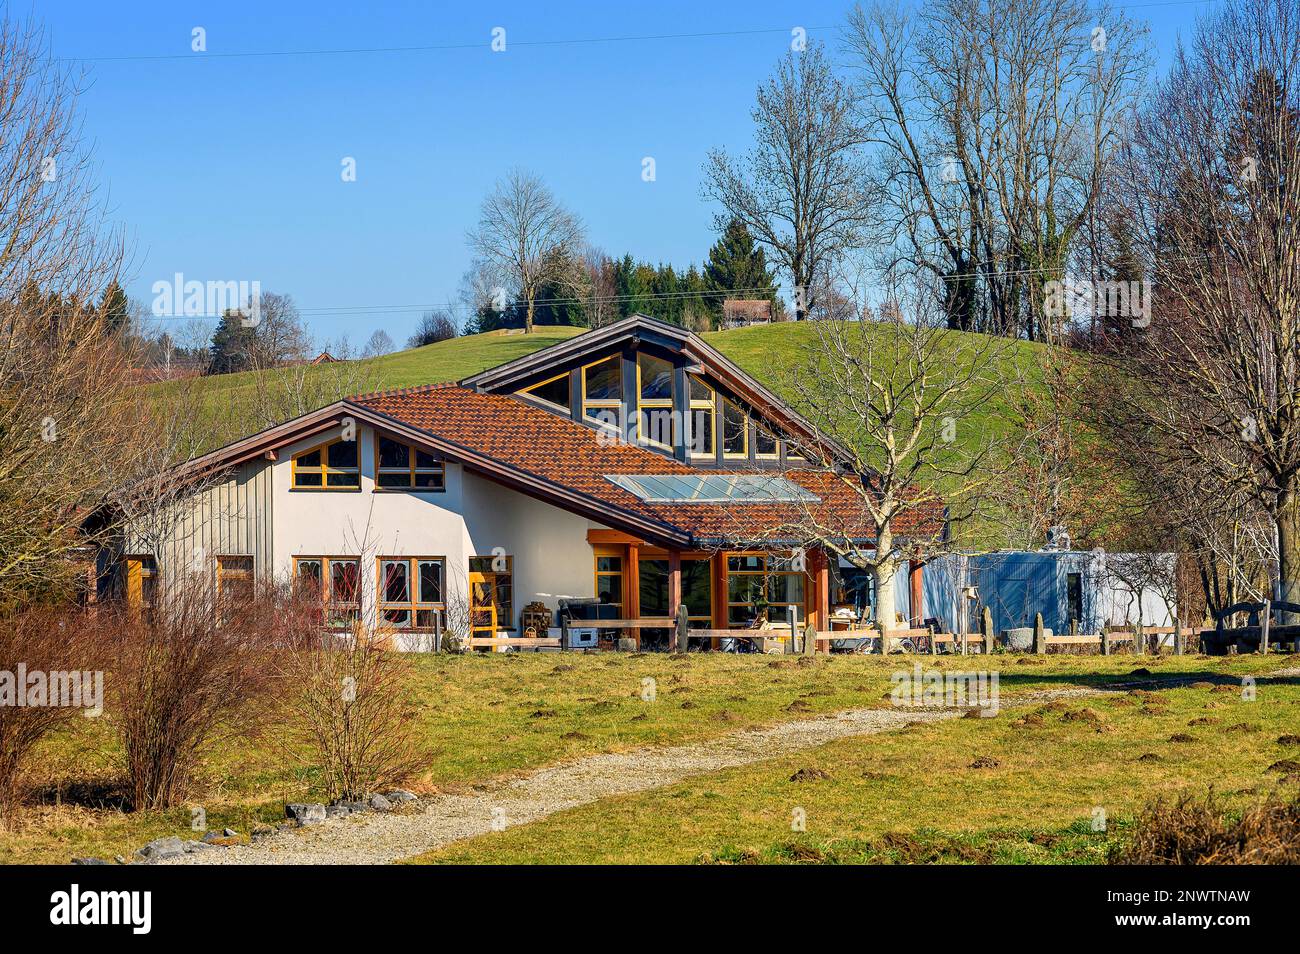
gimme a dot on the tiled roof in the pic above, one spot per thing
(522, 438)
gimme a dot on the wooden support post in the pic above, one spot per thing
(934, 647)
(1139, 640)
(1178, 637)
(884, 639)
(809, 640)
(1105, 641)
(681, 635)
(564, 633)
(792, 617)
(916, 594)
(1040, 636)
(987, 625)
(674, 594)
(1263, 626)
(1074, 627)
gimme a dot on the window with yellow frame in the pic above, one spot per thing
(654, 378)
(704, 430)
(602, 391)
(553, 392)
(333, 465)
(402, 466)
(609, 578)
(735, 430)
(763, 586)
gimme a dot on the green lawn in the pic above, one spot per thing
(487, 717)
(1020, 788)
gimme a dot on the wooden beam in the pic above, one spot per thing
(917, 593)
(674, 581)
(611, 537)
(821, 606)
(632, 582)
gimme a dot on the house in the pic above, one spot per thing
(633, 464)
(737, 312)
(1091, 588)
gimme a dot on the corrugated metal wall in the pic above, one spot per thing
(228, 518)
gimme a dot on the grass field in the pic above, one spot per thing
(1020, 788)
(484, 718)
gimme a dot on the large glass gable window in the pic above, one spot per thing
(602, 391)
(655, 407)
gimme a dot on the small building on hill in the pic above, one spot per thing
(738, 312)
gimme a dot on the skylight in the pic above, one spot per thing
(711, 488)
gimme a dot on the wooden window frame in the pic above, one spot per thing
(145, 569)
(509, 574)
(222, 573)
(603, 404)
(658, 404)
(709, 404)
(325, 469)
(744, 430)
(329, 605)
(776, 442)
(413, 605)
(764, 574)
(616, 553)
(411, 470)
(551, 405)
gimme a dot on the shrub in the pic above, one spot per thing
(348, 702)
(42, 640)
(1200, 832)
(193, 672)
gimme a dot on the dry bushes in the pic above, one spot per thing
(1200, 832)
(198, 669)
(347, 701)
(46, 650)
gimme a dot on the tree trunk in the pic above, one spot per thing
(884, 572)
(528, 315)
(1288, 553)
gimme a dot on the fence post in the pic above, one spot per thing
(1105, 641)
(1263, 626)
(934, 647)
(1139, 640)
(564, 632)
(1074, 627)
(986, 624)
(1040, 637)
(809, 640)
(792, 617)
(681, 635)
(1178, 637)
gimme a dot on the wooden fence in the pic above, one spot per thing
(807, 641)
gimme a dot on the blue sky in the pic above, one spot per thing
(228, 168)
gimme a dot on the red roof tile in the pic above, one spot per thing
(573, 456)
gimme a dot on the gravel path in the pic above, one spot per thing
(384, 838)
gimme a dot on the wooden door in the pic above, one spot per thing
(482, 604)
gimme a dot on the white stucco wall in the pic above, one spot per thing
(472, 517)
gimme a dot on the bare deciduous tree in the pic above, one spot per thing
(993, 124)
(908, 411)
(65, 415)
(800, 190)
(1209, 394)
(525, 233)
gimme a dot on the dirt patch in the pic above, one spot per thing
(1081, 715)
(1285, 766)
(798, 706)
(1204, 720)
(985, 762)
(1182, 738)
(543, 714)
(1288, 740)
(1149, 757)
(809, 775)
